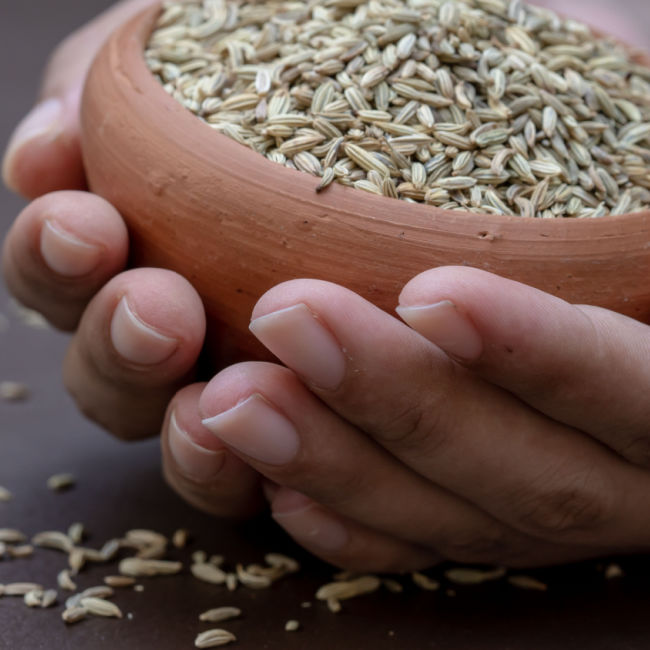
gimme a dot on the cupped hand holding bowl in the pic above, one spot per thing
(369, 409)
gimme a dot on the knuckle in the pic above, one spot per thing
(405, 424)
(417, 426)
(563, 509)
(419, 412)
(417, 401)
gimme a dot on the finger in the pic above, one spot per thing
(200, 468)
(580, 365)
(269, 418)
(470, 437)
(44, 153)
(136, 345)
(60, 250)
(343, 542)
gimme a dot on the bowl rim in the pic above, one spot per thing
(129, 41)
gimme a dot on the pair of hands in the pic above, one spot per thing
(498, 425)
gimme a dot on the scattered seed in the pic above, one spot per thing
(282, 561)
(208, 573)
(21, 551)
(119, 581)
(33, 598)
(344, 589)
(48, 598)
(231, 581)
(5, 494)
(334, 605)
(76, 560)
(11, 536)
(76, 533)
(64, 580)
(99, 591)
(21, 588)
(291, 626)
(424, 582)
(199, 557)
(613, 571)
(145, 537)
(100, 607)
(180, 537)
(220, 614)
(214, 638)
(74, 614)
(13, 391)
(53, 539)
(73, 601)
(463, 576)
(137, 567)
(109, 550)
(252, 580)
(60, 482)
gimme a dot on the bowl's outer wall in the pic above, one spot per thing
(236, 224)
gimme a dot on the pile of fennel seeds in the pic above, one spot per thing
(486, 106)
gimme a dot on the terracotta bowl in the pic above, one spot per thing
(236, 224)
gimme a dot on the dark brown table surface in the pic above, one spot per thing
(119, 487)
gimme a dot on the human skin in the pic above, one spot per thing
(491, 423)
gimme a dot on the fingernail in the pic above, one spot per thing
(66, 254)
(300, 341)
(136, 341)
(308, 524)
(257, 430)
(445, 326)
(43, 121)
(193, 461)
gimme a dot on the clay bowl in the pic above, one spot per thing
(236, 224)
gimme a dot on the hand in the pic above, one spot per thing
(67, 245)
(44, 153)
(129, 353)
(504, 426)
(137, 333)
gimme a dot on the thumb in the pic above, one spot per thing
(44, 153)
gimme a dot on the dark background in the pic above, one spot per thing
(119, 487)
